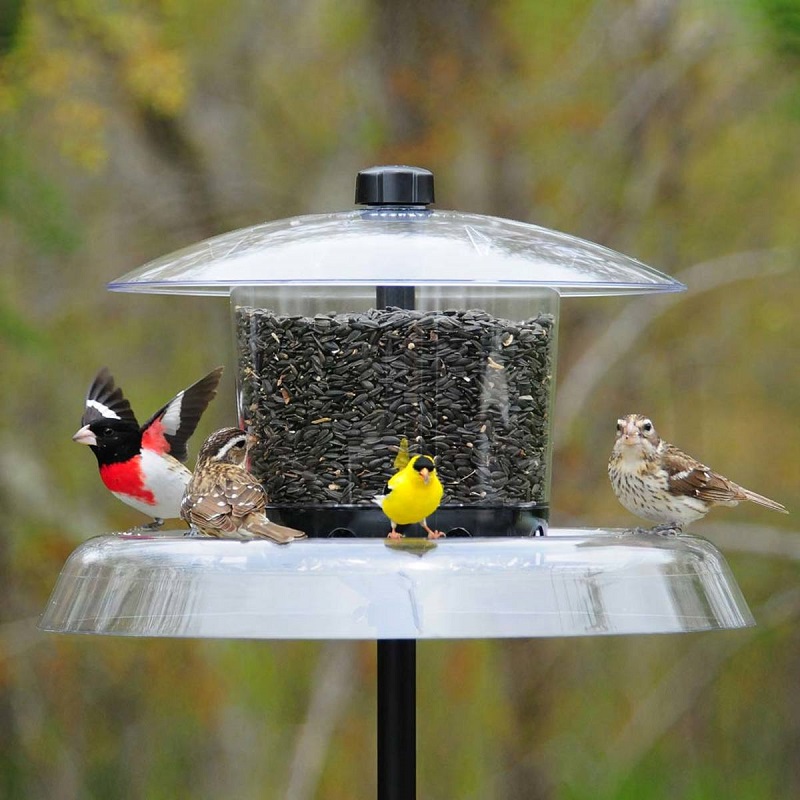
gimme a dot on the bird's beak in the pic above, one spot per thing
(85, 436)
(425, 474)
(630, 434)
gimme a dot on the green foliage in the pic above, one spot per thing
(10, 18)
(783, 19)
(34, 202)
(17, 333)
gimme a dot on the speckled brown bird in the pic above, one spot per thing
(655, 480)
(223, 499)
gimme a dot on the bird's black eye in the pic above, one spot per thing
(619, 426)
(107, 431)
(647, 426)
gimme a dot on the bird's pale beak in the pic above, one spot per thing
(630, 433)
(425, 474)
(85, 436)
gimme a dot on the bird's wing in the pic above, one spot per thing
(209, 509)
(169, 429)
(105, 400)
(685, 475)
(244, 494)
(399, 478)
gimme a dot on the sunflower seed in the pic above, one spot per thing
(331, 396)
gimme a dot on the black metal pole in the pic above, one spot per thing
(397, 719)
(397, 670)
(400, 296)
(409, 188)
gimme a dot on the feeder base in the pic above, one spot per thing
(457, 521)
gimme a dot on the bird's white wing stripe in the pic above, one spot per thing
(172, 416)
(103, 409)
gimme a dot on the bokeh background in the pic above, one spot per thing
(666, 129)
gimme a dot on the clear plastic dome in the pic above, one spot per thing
(570, 583)
(398, 246)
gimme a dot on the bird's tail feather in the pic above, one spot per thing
(403, 456)
(764, 501)
(264, 529)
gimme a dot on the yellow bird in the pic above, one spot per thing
(414, 494)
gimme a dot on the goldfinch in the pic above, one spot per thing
(414, 493)
(659, 482)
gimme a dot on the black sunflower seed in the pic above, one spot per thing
(470, 388)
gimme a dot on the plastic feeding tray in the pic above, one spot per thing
(569, 583)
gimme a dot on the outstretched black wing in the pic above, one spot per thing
(105, 400)
(169, 429)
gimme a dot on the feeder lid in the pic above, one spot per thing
(572, 582)
(396, 240)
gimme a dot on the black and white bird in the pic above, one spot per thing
(143, 466)
(223, 499)
(655, 480)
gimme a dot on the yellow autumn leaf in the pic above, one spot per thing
(158, 77)
(82, 125)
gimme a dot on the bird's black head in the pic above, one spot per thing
(424, 462)
(112, 440)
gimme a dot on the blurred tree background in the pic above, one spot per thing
(666, 129)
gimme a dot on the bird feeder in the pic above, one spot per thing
(357, 330)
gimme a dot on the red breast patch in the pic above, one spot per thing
(126, 478)
(153, 438)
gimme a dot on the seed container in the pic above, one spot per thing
(395, 326)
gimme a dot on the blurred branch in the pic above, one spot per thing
(25, 480)
(681, 53)
(18, 636)
(677, 693)
(166, 134)
(332, 686)
(759, 540)
(625, 331)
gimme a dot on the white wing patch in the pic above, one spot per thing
(171, 420)
(102, 409)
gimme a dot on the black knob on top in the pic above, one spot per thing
(394, 186)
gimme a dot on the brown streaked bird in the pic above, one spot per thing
(655, 480)
(223, 499)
